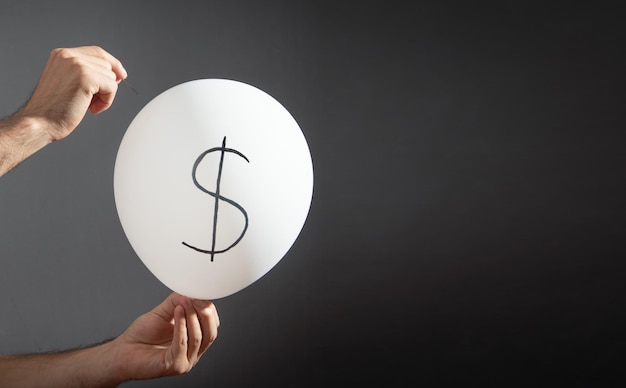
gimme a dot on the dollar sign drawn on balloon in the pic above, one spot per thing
(218, 197)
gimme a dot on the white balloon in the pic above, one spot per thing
(213, 182)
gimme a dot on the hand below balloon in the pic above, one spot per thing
(168, 340)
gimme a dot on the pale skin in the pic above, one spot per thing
(168, 340)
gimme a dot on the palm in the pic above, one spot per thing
(151, 329)
(149, 341)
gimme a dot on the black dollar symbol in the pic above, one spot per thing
(218, 197)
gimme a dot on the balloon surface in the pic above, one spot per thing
(213, 182)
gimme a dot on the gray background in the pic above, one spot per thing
(467, 224)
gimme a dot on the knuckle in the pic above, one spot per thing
(98, 50)
(181, 367)
(197, 342)
(211, 311)
(55, 52)
(78, 63)
(62, 53)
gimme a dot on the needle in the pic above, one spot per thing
(131, 87)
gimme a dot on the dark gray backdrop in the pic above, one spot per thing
(467, 225)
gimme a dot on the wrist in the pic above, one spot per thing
(20, 137)
(31, 127)
(118, 364)
(98, 365)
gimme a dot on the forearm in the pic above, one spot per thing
(88, 367)
(20, 137)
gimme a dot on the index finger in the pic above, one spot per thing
(166, 308)
(116, 65)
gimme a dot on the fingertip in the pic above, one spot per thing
(120, 73)
(117, 66)
(201, 304)
(179, 312)
(177, 298)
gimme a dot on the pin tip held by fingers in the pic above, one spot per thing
(131, 87)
